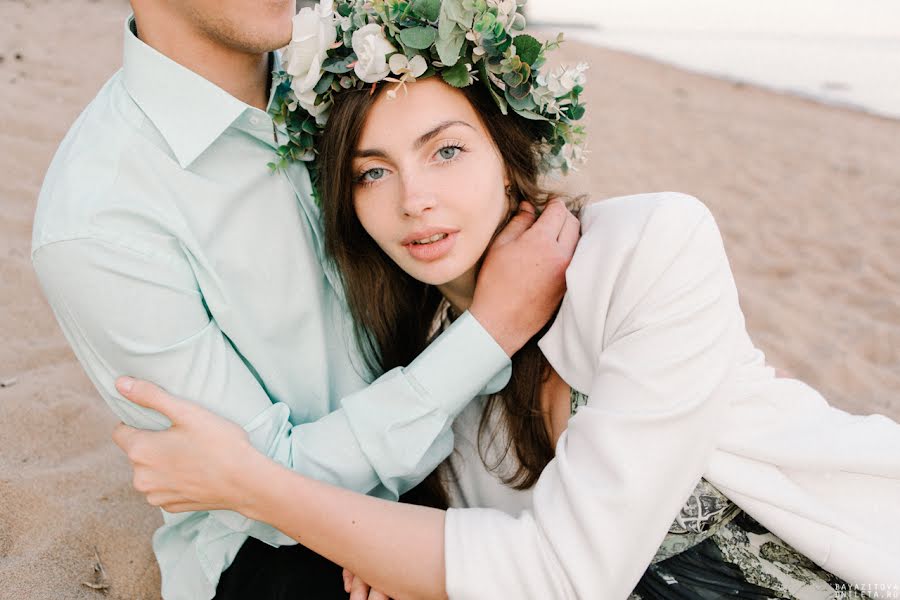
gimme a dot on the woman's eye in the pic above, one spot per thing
(372, 175)
(449, 152)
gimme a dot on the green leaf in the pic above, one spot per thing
(453, 10)
(513, 79)
(324, 83)
(448, 47)
(528, 48)
(576, 112)
(309, 126)
(457, 76)
(427, 9)
(419, 38)
(526, 103)
(336, 64)
(533, 116)
(486, 81)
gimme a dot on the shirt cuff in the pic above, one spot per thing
(463, 362)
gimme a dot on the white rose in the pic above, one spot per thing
(307, 101)
(314, 34)
(371, 48)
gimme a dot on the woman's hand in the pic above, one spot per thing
(196, 464)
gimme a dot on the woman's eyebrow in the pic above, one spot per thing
(425, 137)
(369, 152)
(420, 141)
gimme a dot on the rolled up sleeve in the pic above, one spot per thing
(127, 310)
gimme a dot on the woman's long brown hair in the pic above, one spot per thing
(393, 312)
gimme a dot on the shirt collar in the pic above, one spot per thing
(189, 111)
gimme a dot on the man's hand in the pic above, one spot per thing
(522, 280)
(359, 589)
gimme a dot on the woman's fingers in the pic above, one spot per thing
(553, 218)
(148, 395)
(518, 225)
(569, 234)
(123, 436)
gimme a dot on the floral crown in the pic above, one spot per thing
(355, 44)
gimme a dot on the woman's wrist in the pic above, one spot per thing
(247, 481)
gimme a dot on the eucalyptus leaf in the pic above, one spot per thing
(448, 47)
(446, 25)
(531, 115)
(500, 100)
(455, 11)
(336, 64)
(457, 76)
(419, 38)
(513, 79)
(520, 91)
(427, 9)
(528, 48)
(324, 83)
(526, 103)
(309, 126)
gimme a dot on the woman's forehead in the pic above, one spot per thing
(417, 109)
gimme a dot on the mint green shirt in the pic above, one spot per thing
(169, 251)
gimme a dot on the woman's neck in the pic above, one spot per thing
(460, 291)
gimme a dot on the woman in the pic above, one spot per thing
(675, 414)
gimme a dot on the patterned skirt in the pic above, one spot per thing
(741, 559)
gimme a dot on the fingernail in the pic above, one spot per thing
(124, 384)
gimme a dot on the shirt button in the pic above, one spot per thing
(254, 121)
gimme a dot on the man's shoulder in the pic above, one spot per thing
(99, 163)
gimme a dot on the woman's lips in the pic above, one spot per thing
(434, 250)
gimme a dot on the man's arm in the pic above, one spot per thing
(136, 312)
(128, 312)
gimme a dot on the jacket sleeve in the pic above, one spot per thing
(138, 311)
(661, 347)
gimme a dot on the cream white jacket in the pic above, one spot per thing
(651, 329)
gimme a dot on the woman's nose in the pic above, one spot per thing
(417, 197)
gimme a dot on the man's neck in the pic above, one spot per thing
(245, 76)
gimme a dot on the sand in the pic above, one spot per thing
(807, 197)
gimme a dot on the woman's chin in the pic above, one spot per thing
(435, 274)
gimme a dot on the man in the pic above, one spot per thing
(169, 252)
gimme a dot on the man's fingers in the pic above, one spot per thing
(551, 221)
(348, 578)
(148, 395)
(569, 235)
(376, 595)
(359, 590)
(518, 225)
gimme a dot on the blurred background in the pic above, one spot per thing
(837, 51)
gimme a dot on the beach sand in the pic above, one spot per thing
(807, 198)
